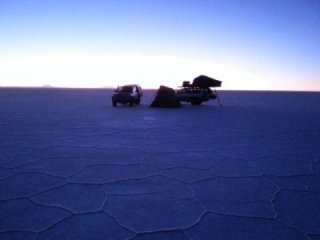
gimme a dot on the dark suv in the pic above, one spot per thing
(130, 94)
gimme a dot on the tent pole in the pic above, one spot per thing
(217, 97)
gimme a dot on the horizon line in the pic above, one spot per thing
(151, 89)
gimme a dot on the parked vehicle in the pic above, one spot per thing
(199, 91)
(194, 95)
(127, 94)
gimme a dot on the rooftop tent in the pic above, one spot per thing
(165, 98)
(205, 82)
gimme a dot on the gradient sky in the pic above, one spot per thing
(263, 45)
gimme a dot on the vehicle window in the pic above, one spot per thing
(126, 89)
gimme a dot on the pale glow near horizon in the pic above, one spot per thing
(109, 70)
(103, 69)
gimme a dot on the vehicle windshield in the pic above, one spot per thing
(126, 89)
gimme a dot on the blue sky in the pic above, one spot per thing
(264, 45)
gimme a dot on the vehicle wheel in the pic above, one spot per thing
(196, 102)
(138, 101)
(130, 103)
(114, 103)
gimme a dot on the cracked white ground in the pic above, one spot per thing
(74, 167)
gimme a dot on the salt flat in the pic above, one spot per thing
(74, 167)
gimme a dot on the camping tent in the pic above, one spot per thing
(205, 82)
(165, 98)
